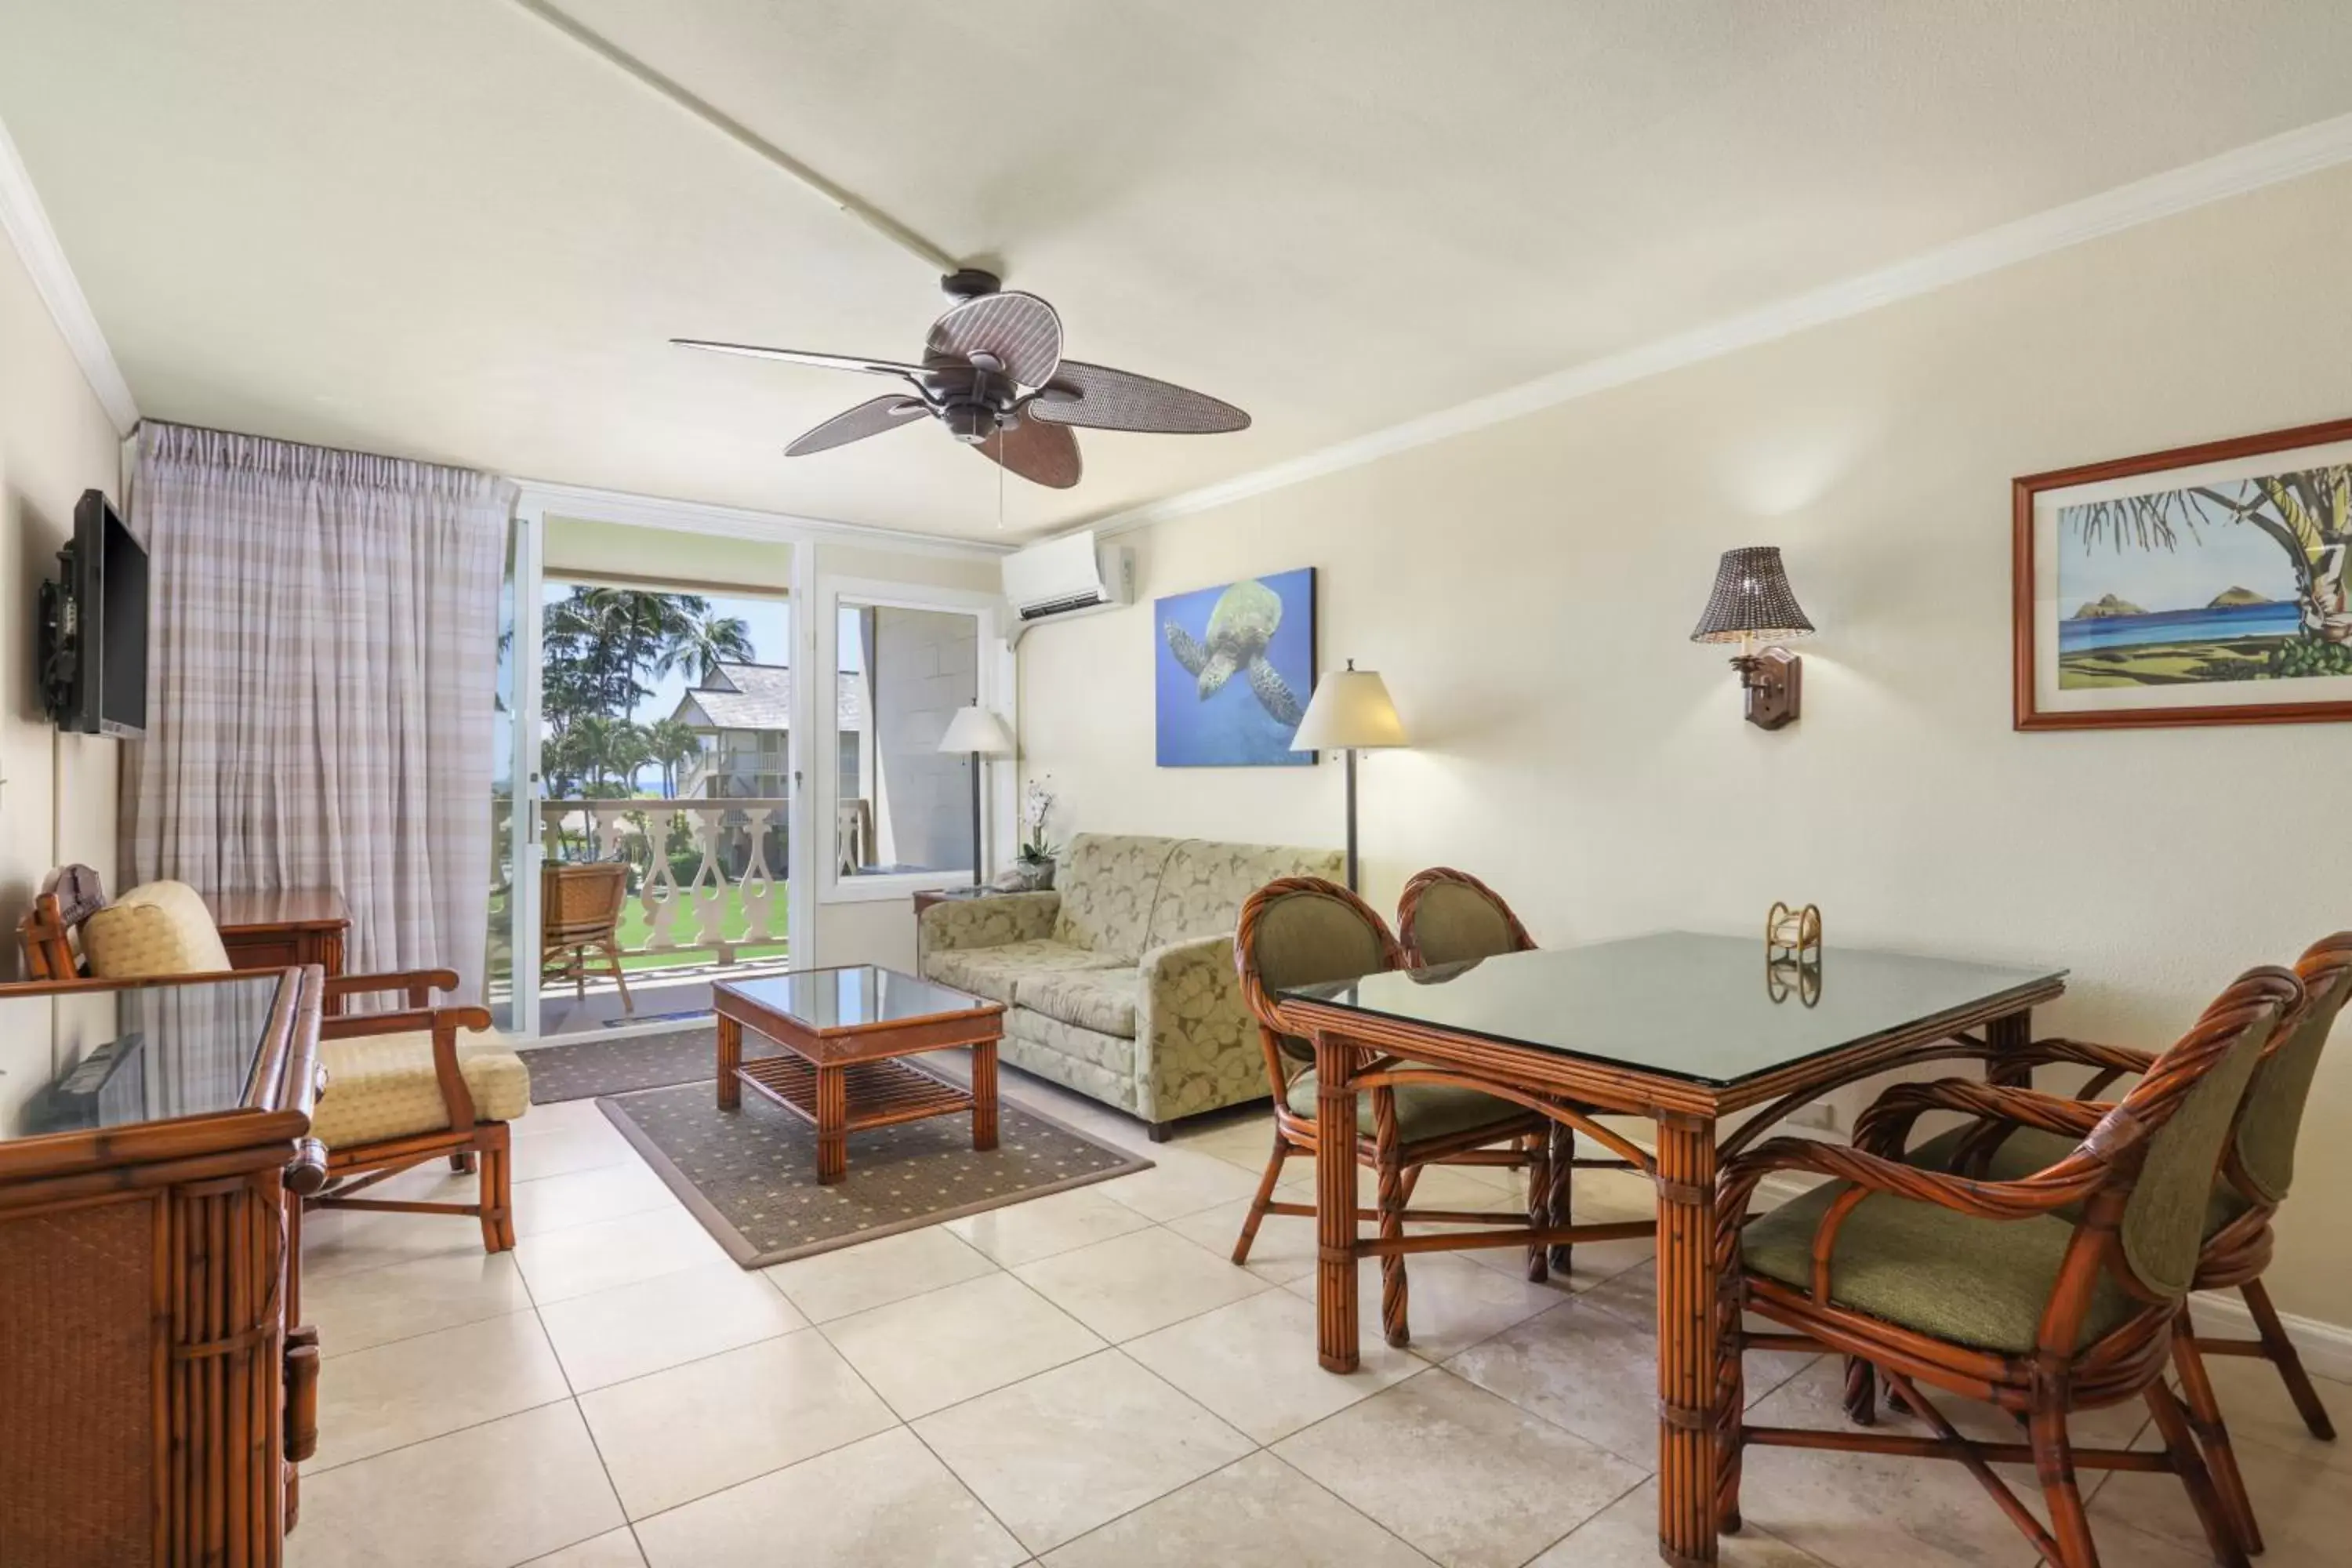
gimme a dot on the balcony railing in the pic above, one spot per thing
(709, 873)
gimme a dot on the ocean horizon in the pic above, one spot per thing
(2210, 623)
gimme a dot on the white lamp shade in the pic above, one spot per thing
(1351, 711)
(977, 729)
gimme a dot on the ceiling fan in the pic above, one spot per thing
(993, 373)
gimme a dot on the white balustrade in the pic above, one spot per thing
(685, 918)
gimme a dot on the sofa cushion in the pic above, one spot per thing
(1203, 888)
(1953, 1276)
(383, 1085)
(156, 928)
(993, 972)
(1108, 889)
(1099, 999)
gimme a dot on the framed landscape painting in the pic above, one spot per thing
(2204, 586)
(1232, 673)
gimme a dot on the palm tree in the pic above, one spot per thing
(2307, 514)
(699, 640)
(672, 744)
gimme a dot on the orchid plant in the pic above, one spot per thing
(1036, 806)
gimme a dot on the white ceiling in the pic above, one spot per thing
(439, 229)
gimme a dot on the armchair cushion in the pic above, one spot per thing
(1102, 1000)
(383, 1085)
(995, 972)
(1953, 1276)
(156, 928)
(2027, 1149)
(1424, 1110)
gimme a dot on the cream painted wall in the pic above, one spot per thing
(1527, 590)
(57, 792)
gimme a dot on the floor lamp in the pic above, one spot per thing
(1349, 712)
(982, 735)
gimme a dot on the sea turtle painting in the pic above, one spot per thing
(1260, 629)
(1240, 626)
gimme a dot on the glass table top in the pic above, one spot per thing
(857, 997)
(1705, 1009)
(174, 1048)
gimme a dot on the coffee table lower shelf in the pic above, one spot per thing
(875, 1094)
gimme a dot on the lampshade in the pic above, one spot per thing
(1349, 711)
(977, 729)
(1751, 599)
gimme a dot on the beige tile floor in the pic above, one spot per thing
(1084, 1380)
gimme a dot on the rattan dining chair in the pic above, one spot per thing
(2255, 1174)
(1300, 931)
(1446, 916)
(2053, 1292)
(580, 912)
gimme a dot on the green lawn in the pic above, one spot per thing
(636, 931)
(734, 923)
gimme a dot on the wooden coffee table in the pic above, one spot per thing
(842, 1031)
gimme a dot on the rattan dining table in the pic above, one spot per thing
(1680, 1029)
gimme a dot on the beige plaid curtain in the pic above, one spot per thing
(321, 663)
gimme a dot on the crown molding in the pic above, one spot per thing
(590, 504)
(2270, 161)
(27, 224)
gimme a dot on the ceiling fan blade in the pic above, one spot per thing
(800, 357)
(872, 418)
(1019, 331)
(1107, 399)
(1043, 454)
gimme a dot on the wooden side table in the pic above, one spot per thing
(275, 930)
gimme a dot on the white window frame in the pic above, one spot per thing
(998, 692)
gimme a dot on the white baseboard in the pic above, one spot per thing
(2326, 1348)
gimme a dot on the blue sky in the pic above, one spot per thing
(2221, 554)
(770, 621)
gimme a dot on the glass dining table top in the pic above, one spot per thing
(859, 996)
(186, 1048)
(1705, 1009)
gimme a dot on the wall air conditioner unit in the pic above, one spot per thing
(1076, 574)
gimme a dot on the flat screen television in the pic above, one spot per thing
(94, 627)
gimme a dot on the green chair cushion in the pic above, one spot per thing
(1455, 923)
(1424, 1110)
(2028, 1150)
(1977, 1282)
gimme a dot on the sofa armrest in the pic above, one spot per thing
(1197, 1044)
(954, 923)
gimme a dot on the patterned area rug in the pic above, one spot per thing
(582, 1069)
(749, 1175)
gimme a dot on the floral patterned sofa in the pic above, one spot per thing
(1120, 984)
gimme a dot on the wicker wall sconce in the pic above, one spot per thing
(1753, 604)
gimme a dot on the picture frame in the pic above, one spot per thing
(1233, 668)
(2204, 584)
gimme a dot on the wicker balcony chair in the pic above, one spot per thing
(1447, 916)
(2255, 1175)
(2053, 1292)
(399, 1089)
(580, 911)
(1298, 931)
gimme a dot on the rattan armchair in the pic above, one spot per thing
(2053, 1292)
(398, 1090)
(580, 912)
(2256, 1172)
(1300, 931)
(1446, 916)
